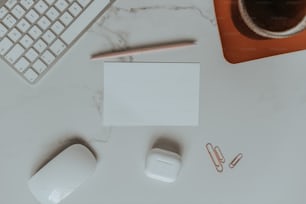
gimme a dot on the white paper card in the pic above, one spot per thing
(151, 94)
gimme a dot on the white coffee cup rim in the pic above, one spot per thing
(267, 33)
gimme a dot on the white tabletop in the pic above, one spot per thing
(257, 108)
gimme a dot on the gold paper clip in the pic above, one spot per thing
(219, 154)
(235, 161)
(214, 157)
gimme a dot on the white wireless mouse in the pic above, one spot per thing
(63, 174)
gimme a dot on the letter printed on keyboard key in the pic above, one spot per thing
(32, 16)
(39, 66)
(26, 41)
(40, 46)
(75, 9)
(49, 37)
(41, 7)
(35, 32)
(52, 13)
(23, 25)
(31, 55)
(43, 23)
(47, 57)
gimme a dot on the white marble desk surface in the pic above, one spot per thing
(257, 108)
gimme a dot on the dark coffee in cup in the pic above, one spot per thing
(274, 18)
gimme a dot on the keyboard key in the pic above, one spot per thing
(57, 27)
(14, 35)
(47, 57)
(31, 55)
(27, 3)
(66, 18)
(3, 12)
(75, 9)
(3, 30)
(14, 53)
(34, 32)
(61, 5)
(9, 21)
(40, 46)
(84, 3)
(48, 37)
(26, 41)
(43, 23)
(41, 7)
(18, 11)
(58, 47)
(5, 45)
(39, 66)
(10, 3)
(30, 75)
(52, 13)
(32, 16)
(22, 64)
(23, 25)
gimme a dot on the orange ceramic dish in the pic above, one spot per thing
(240, 44)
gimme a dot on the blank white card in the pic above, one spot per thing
(151, 94)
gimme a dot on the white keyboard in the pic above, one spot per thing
(34, 34)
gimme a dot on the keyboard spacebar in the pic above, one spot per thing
(83, 20)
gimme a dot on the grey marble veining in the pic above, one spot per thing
(120, 14)
(206, 14)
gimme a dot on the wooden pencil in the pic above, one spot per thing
(140, 50)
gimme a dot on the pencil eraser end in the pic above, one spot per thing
(163, 165)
